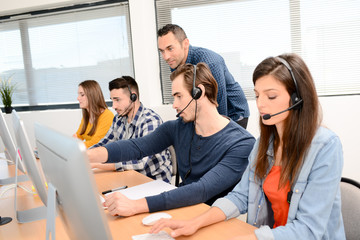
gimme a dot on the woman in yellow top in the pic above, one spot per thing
(96, 117)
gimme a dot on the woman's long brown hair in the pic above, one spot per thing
(96, 104)
(300, 125)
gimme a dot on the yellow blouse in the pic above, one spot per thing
(104, 123)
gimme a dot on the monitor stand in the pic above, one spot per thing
(10, 180)
(51, 212)
(29, 215)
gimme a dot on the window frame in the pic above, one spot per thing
(163, 13)
(19, 23)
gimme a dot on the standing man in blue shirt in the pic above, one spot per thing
(176, 50)
(133, 120)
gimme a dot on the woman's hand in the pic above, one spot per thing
(179, 227)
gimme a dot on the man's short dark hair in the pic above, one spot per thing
(124, 82)
(175, 29)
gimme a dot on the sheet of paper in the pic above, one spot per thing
(102, 200)
(155, 236)
(147, 189)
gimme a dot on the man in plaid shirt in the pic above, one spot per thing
(133, 120)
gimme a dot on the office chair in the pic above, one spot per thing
(350, 207)
(173, 160)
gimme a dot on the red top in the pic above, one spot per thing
(277, 197)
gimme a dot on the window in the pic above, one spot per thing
(325, 33)
(49, 55)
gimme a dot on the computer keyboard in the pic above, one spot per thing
(154, 236)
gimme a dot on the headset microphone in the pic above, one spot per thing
(125, 111)
(133, 98)
(177, 115)
(268, 116)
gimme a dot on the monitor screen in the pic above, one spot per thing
(67, 170)
(28, 157)
(10, 149)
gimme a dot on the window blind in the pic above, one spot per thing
(244, 32)
(49, 55)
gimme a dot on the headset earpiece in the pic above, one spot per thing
(296, 101)
(196, 91)
(133, 96)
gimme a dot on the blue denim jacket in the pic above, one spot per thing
(315, 208)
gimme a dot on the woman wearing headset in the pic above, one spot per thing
(290, 189)
(96, 117)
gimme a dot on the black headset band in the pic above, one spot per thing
(287, 65)
(196, 91)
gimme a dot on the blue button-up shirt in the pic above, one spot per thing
(315, 207)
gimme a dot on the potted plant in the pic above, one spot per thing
(7, 89)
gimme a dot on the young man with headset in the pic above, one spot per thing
(211, 150)
(133, 120)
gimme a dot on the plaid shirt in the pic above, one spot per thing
(145, 121)
(231, 98)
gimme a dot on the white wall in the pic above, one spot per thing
(337, 113)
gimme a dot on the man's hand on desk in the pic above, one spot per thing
(97, 155)
(119, 205)
(105, 166)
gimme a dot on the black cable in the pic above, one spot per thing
(192, 137)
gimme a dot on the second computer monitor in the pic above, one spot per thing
(28, 157)
(71, 185)
(10, 150)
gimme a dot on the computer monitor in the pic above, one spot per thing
(10, 152)
(33, 172)
(71, 186)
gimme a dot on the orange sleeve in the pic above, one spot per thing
(104, 123)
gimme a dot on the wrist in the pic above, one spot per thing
(197, 223)
(141, 206)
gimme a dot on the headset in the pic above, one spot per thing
(296, 104)
(196, 91)
(295, 97)
(133, 96)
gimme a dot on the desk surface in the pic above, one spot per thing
(120, 227)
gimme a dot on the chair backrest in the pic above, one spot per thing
(350, 207)
(173, 160)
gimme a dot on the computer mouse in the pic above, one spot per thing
(152, 218)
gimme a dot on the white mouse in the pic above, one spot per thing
(152, 218)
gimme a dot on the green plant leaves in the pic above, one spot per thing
(7, 89)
